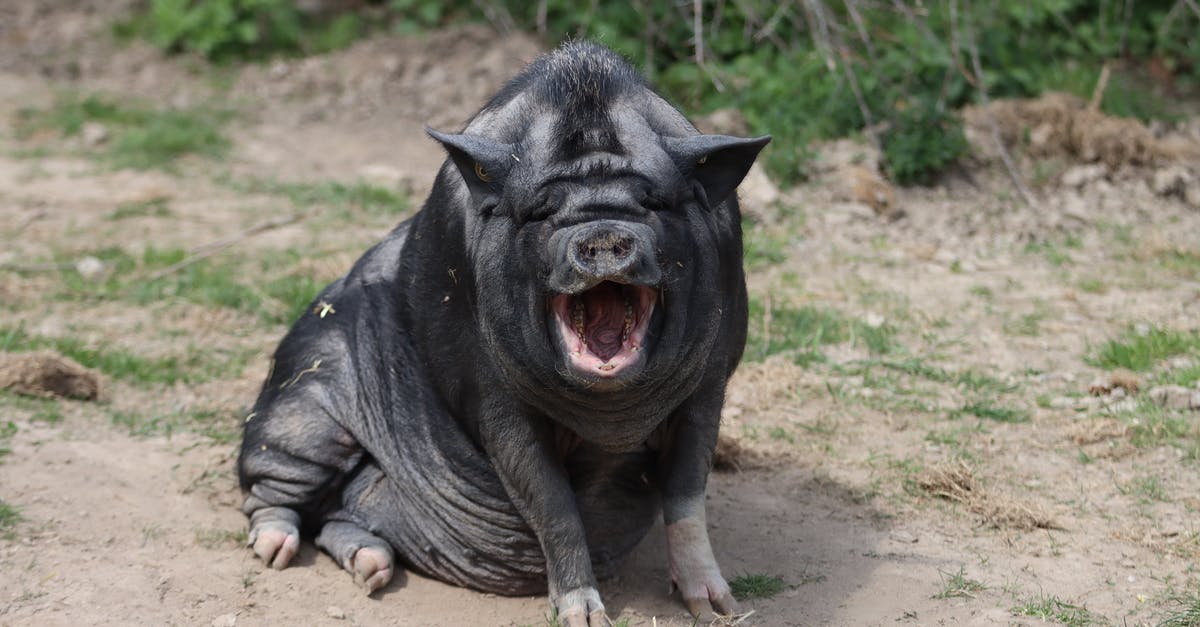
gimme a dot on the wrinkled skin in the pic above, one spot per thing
(508, 390)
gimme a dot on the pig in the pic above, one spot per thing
(508, 390)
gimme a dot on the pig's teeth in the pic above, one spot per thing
(578, 318)
(628, 321)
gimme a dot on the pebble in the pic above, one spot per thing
(335, 612)
(89, 267)
(1170, 180)
(904, 536)
(93, 134)
(224, 620)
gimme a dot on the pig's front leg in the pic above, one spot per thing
(691, 438)
(522, 451)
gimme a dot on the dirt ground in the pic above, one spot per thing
(958, 473)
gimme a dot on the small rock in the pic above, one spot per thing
(1175, 397)
(904, 537)
(224, 620)
(93, 134)
(1191, 195)
(335, 612)
(89, 268)
(1170, 180)
(1080, 175)
(1180, 363)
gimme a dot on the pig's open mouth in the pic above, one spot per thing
(603, 329)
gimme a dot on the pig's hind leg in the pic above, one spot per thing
(294, 457)
(363, 554)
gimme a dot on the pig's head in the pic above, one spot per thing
(602, 229)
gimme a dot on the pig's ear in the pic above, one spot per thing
(483, 163)
(717, 162)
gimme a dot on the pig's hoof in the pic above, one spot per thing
(276, 542)
(581, 607)
(372, 567)
(706, 596)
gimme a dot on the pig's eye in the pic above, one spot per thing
(483, 174)
(702, 160)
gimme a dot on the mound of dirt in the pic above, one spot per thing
(1058, 124)
(47, 374)
(955, 481)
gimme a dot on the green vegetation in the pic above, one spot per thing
(7, 430)
(197, 365)
(1148, 489)
(156, 207)
(757, 586)
(9, 517)
(220, 427)
(140, 137)
(989, 411)
(1053, 609)
(761, 248)
(803, 330)
(958, 585)
(225, 30)
(898, 70)
(1140, 349)
(1185, 610)
(359, 197)
(267, 285)
(221, 538)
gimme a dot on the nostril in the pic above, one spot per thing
(622, 248)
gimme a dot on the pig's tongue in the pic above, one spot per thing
(606, 314)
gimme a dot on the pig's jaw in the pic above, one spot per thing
(602, 330)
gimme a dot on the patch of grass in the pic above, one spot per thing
(7, 430)
(218, 538)
(989, 411)
(760, 247)
(49, 413)
(9, 517)
(359, 196)
(1054, 609)
(781, 434)
(756, 586)
(220, 426)
(1092, 285)
(804, 329)
(958, 585)
(1186, 376)
(1148, 489)
(1052, 252)
(1029, 325)
(1184, 612)
(156, 207)
(1141, 348)
(198, 365)
(140, 136)
(1181, 262)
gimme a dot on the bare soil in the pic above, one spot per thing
(863, 491)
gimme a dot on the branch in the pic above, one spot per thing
(1013, 173)
(208, 250)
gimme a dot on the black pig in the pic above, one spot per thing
(506, 390)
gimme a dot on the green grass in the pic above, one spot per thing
(7, 430)
(347, 197)
(231, 282)
(220, 538)
(156, 207)
(756, 586)
(1140, 350)
(198, 365)
(9, 517)
(803, 330)
(1147, 488)
(140, 136)
(989, 411)
(761, 247)
(1185, 611)
(958, 585)
(1054, 609)
(219, 426)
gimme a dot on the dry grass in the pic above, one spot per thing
(47, 374)
(955, 481)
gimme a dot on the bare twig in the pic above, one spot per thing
(24, 224)
(497, 15)
(1098, 92)
(1193, 6)
(541, 18)
(852, 79)
(861, 27)
(698, 30)
(985, 103)
(820, 32)
(207, 250)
